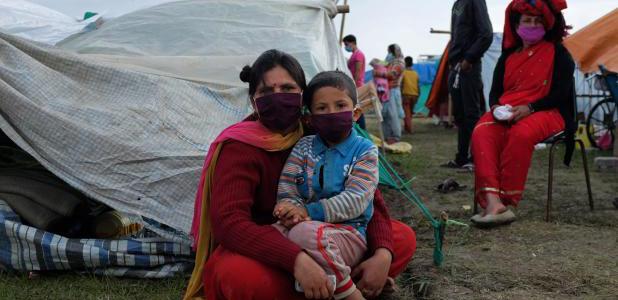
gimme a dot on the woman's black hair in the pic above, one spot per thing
(254, 74)
(391, 49)
(335, 79)
(554, 35)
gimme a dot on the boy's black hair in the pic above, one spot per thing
(336, 79)
(409, 61)
(350, 39)
(254, 74)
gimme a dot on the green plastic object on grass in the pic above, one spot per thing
(390, 177)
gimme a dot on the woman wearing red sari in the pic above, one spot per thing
(530, 100)
(239, 255)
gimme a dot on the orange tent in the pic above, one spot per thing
(439, 89)
(596, 44)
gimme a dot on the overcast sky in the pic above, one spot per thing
(407, 22)
(376, 23)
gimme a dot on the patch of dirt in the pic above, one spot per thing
(575, 256)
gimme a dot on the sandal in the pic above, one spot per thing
(467, 168)
(490, 221)
(451, 164)
(450, 185)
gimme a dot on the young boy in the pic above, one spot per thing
(330, 179)
(410, 90)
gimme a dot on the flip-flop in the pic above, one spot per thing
(476, 217)
(449, 185)
(490, 221)
(467, 168)
(451, 164)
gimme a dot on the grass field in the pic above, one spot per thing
(573, 257)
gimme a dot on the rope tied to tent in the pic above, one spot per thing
(390, 177)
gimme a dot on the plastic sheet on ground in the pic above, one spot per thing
(25, 248)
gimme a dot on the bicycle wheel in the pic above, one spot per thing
(601, 119)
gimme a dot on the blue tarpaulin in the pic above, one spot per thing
(426, 72)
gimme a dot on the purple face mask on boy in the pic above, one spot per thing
(333, 127)
(531, 35)
(280, 111)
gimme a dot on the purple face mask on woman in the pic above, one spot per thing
(333, 127)
(279, 111)
(531, 35)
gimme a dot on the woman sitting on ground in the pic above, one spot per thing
(233, 214)
(530, 100)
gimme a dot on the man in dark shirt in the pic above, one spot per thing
(471, 36)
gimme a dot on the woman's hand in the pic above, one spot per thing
(312, 278)
(520, 112)
(373, 273)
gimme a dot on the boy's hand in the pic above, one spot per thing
(283, 208)
(290, 214)
(295, 219)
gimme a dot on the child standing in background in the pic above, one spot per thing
(410, 91)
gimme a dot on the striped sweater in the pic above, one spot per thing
(336, 185)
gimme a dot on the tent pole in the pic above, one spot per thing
(345, 3)
(435, 31)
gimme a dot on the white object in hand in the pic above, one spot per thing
(503, 112)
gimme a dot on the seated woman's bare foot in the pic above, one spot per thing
(356, 295)
(495, 210)
(494, 205)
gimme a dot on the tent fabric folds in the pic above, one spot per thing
(125, 113)
(596, 44)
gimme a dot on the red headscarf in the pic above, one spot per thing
(530, 7)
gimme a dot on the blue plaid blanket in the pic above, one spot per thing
(25, 248)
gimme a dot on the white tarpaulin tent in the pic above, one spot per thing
(38, 23)
(210, 41)
(489, 61)
(112, 113)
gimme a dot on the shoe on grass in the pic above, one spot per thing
(490, 221)
(451, 164)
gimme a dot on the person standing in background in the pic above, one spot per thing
(471, 36)
(356, 65)
(410, 91)
(392, 110)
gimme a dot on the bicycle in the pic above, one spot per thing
(603, 116)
